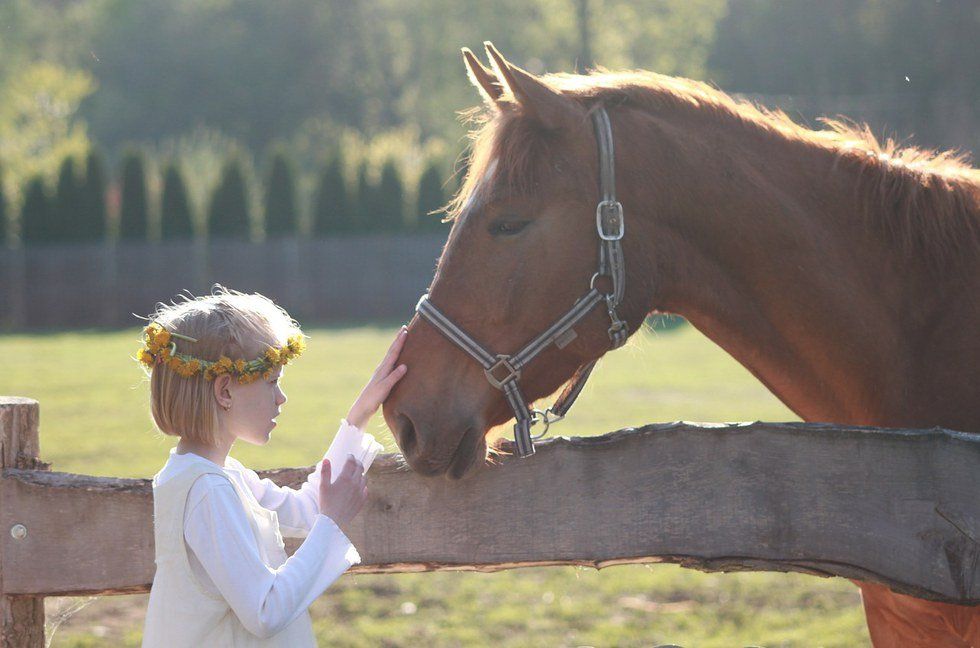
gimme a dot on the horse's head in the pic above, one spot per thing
(522, 250)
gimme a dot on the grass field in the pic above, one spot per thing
(95, 420)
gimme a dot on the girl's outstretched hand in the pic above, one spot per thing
(380, 385)
(342, 500)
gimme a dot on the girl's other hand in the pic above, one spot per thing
(342, 500)
(380, 385)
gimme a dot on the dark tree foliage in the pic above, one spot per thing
(133, 214)
(4, 218)
(390, 214)
(430, 199)
(92, 207)
(228, 215)
(281, 215)
(365, 205)
(35, 215)
(65, 211)
(331, 210)
(176, 220)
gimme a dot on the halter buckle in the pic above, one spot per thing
(609, 220)
(502, 363)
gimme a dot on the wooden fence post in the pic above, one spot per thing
(22, 616)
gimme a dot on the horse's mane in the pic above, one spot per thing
(928, 202)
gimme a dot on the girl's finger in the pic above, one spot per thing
(395, 348)
(392, 378)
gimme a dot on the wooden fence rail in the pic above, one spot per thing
(898, 507)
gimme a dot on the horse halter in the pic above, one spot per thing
(504, 371)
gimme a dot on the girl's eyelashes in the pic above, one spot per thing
(508, 226)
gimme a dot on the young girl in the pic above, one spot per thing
(222, 575)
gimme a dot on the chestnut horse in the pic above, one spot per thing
(843, 273)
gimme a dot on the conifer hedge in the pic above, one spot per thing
(133, 214)
(228, 214)
(430, 199)
(92, 207)
(332, 214)
(35, 215)
(281, 213)
(176, 219)
(65, 225)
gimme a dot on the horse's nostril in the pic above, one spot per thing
(405, 434)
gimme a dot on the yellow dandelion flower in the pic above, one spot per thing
(239, 366)
(225, 363)
(272, 355)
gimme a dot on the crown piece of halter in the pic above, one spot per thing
(504, 371)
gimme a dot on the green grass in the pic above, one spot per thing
(95, 420)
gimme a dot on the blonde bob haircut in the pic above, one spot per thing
(224, 323)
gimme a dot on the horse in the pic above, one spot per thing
(843, 272)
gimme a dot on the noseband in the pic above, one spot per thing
(504, 371)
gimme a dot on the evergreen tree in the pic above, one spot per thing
(133, 216)
(4, 219)
(176, 221)
(331, 212)
(92, 217)
(430, 199)
(281, 215)
(228, 214)
(391, 199)
(65, 210)
(364, 211)
(35, 215)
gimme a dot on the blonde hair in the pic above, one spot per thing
(224, 323)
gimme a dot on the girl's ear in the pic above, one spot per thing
(222, 391)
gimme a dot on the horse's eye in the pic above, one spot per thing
(507, 227)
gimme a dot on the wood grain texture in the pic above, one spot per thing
(21, 617)
(898, 507)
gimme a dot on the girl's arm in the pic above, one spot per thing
(265, 600)
(297, 509)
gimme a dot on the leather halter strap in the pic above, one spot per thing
(504, 371)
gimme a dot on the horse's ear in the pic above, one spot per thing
(536, 98)
(483, 78)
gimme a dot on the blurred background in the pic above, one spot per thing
(298, 148)
(246, 138)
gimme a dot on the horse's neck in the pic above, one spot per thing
(763, 248)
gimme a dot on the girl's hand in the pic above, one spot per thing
(342, 500)
(380, 385)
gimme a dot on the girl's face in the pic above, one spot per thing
(254, 408)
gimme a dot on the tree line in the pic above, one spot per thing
(85, 204)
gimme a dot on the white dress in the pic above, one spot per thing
(223, 578)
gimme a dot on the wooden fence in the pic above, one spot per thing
(898, 507)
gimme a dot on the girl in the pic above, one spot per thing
(222, 576)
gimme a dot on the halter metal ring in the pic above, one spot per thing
(546, 417)
(593, 280)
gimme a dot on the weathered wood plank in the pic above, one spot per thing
(898, 507)
(21, 617)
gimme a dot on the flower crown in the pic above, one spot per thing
(160, 348)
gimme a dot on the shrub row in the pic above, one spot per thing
(78, 210)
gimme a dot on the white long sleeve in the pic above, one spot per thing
(297, 508)
(224, 553)
(265, 600)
